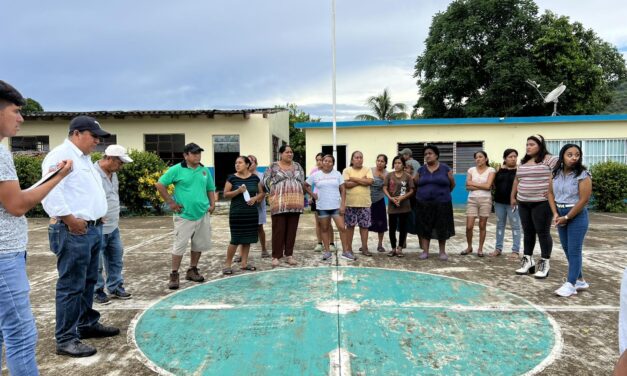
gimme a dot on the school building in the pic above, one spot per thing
(224, 134)
(601, 137)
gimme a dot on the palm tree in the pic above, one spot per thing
(383, 109)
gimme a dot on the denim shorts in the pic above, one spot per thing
(328, 213)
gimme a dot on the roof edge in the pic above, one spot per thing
(49, 115)
(466, 121)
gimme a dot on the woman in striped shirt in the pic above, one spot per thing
(530, 194)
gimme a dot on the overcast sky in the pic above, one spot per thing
(76, 55)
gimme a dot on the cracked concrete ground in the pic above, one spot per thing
(588, 321)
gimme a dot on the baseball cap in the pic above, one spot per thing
(192, 148)
(118, 151)
(406, 151)
(88, 123)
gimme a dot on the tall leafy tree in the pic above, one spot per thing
(383, 108)
(297, 136)
(479, 53)
(32, 106)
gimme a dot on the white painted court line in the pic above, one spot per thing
(194, 307)
(596, 263)
(347, 306)
(611, 216)
(146, 242)
(38, 228)
(340, 362)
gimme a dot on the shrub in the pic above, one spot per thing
(609, 186)
(144, 164)
(28, 168)
(148, 192)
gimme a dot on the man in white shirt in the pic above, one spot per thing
(76, 207)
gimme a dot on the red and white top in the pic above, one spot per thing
(534, 180)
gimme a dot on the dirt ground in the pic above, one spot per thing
(588, 321)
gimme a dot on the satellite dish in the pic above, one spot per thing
(550, 97)
(555, 93)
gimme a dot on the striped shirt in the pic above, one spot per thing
(534, 179)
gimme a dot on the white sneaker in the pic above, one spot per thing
(581, 285)
(318, 247)
(332, 248)
(543, 269)
(566, 290)
(527, 265)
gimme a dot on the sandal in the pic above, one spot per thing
(275, 262)
(495, 253)
(265, 254)
(392, 253)
(291, 261)
(466, 252)
(227, 271)
(248, 267)
(380, 249)
(480, 254)
(237, 259)
(365, 252)
(399, 253)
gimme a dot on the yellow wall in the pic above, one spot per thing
(496, 137)
(255, 132)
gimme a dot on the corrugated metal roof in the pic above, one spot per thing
(50, 115)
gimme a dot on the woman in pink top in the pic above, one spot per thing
(479, 181)
(530, 194)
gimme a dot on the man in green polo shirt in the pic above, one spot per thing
(192, 203)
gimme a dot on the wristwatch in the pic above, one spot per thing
(566, 216)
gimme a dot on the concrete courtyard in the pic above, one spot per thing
(588, 321)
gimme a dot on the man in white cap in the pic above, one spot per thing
(111, 251)
(76, 207)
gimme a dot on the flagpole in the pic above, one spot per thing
(333, 83)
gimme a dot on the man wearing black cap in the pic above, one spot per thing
(17, 324)
(193, 202)
(76, 207)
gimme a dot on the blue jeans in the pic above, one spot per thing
(77, 264)
(19, 332)
(503, 213)
(571, 237)
(110, 257)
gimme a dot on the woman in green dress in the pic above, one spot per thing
(245, 191)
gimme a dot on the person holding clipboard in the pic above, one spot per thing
(19, 333)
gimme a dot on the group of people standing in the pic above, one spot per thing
(539, 192)
(81, 199)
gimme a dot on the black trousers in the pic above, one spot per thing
(535, 218)
(398, 221)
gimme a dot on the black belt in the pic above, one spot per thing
(95, 223)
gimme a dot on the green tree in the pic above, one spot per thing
(32, 106)
(619, 101)
(383, 109)
(297, 136)
(479, 53)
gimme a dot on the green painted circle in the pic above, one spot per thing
(269, 323)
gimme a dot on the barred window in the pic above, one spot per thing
(168, 147)
(30, 143)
